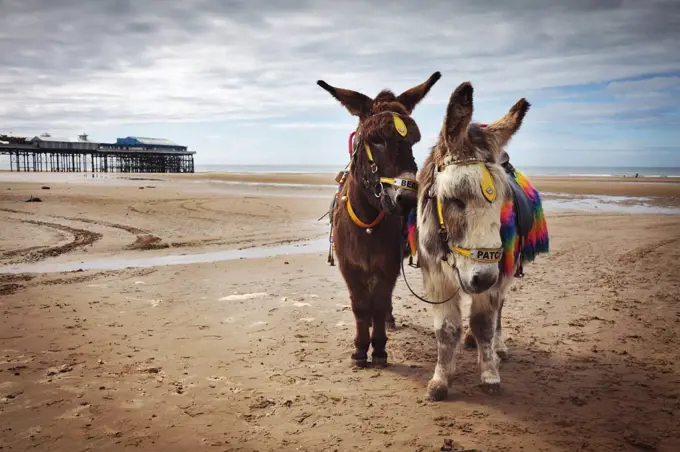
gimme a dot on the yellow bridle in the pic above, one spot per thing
(484, 255)
(407, 184)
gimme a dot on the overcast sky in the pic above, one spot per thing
(236, 80)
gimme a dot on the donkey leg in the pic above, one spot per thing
(381, 311)
(390, 322)
(361, 308)
(379, 338)
(469, 341)
(499, 343)
(448, 331)
(362, 340)
(483, 323)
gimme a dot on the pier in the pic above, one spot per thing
(126, 155)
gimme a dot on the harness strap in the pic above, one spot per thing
(351, 142)
(374, 166)
(440, 214)
(360, 223)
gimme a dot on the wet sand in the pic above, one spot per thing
(253, 354)
(597, 185)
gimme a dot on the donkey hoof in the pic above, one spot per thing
(360, 361)
(391, 325)
(470, 342)
(491, 388)
(379, 361)
(437, 390)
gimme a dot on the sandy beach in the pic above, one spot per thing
(197, 312)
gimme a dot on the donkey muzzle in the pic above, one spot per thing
(406, 199)
(481, 280)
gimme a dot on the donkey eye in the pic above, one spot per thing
(376, 141)
(457, 203)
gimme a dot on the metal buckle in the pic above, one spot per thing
(381, 191)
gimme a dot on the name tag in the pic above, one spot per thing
(410, 184)
(487, 255)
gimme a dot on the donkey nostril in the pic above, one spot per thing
(482, 281)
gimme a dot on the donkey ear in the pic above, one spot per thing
(504, 128)
(411, 97)
(356, 103)
(458, 112)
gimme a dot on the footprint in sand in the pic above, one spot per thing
(307, 319)
(224, 380)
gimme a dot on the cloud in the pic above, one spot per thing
(73, 65)
(653, 84)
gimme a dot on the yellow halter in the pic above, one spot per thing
(484, 255)
(407, 184)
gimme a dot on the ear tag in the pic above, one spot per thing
(488, 187)
(400, 126)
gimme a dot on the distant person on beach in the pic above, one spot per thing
(636, 175)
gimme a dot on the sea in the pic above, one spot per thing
(599, 171)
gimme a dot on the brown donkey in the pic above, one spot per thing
(367, 221)
(478, 221)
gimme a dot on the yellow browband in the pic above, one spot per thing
(484, 255)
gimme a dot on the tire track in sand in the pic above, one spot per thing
(144, 241)
(81, 238)
(641, 252)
